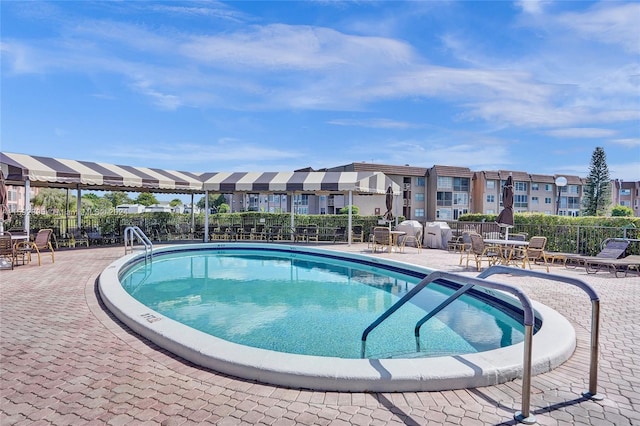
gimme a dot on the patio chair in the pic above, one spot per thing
(41, 243)
(339, 233)
(464, 245)
(381, 238)
(312, 233)
(533, 252)
(414, 240)
(79, 237)
(616, 266)
(482, 252)
(357, 234)
(7, 251)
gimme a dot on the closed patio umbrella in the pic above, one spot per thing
(389, 202)
(505, 218)
(4, 203)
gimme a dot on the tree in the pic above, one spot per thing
(50, 199)
(175, 202)
(215, 200)
(625, 211)
(597, 193)
(345, 210)
(146, 199)
(118, 198)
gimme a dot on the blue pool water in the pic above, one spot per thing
(302, 304)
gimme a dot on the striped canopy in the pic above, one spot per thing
(63, 173)
(329, 182)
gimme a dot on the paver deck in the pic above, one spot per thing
(66, 360)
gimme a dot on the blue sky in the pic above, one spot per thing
(275, 86)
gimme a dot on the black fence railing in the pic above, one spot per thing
(109, 228)
(585, 240)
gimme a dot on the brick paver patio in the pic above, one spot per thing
(65, 360)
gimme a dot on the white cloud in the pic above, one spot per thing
(532, 7)
(607, 22)
(628, 142)
(376, 123)
(581, 132)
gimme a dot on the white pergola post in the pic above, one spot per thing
(293, 217)
(206, 216)
(78, 207)
(27, 205)
(350, 216)
(193, 217)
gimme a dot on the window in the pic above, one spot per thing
(490, 211)
(301, 204)
(444, 198)
(460, 199)
(625, 192)
(520, 186)
(445, 182)
(443, 214)
(548, 187)
(534, 200)
(420, 181)
(491, 198)
(419, 212)
(534, 187)
(520, 200)
(573, 202)
(625, 203)
(461, 184)
(547, 200)
(491, 184)
(573, 189)
(419, 197)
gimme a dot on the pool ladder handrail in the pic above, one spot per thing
(592, 393)
(524, 415)
(134, 231)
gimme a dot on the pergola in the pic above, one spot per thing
(37, 171)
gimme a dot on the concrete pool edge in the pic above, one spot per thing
(553, 344)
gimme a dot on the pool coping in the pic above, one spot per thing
(553, 344)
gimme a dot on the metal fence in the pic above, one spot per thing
(585, 240)
(109, 228)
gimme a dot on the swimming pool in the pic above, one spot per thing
(298, 332)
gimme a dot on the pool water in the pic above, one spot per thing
(296, 303)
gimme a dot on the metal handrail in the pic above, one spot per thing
(592, 393)
(523, 416)
(133, 231)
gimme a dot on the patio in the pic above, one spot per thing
(65, 360)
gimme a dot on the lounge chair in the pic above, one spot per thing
(613, 249)
(616, 266)
(41, 243)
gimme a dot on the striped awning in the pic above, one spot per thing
(63, 173)
(313, 182)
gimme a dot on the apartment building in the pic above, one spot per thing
(533, 193)
(412, 180)
(626, 194)
(449, 192)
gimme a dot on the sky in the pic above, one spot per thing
(207, 86)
